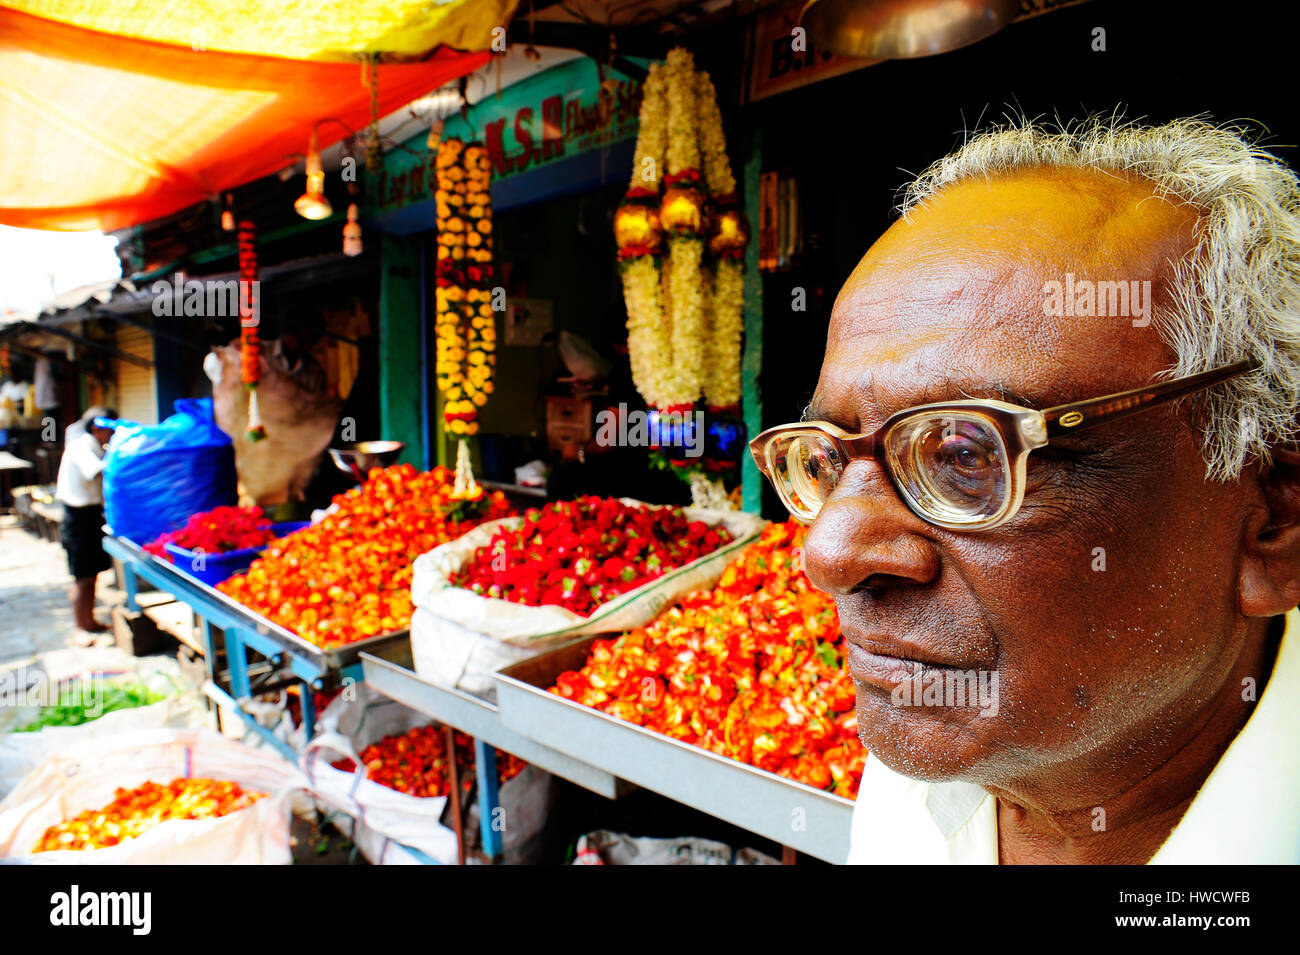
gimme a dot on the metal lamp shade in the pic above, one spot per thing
(901, 29)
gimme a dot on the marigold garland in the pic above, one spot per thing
(250, 344)
(466, 322)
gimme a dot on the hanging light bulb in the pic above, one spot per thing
(352, 232)
(312, 204)
(228, 216)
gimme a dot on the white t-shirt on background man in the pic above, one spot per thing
(83, 460)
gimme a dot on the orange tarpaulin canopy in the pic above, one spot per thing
(99, 131)
(299, 29)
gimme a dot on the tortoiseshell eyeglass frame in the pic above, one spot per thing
(1022, 430)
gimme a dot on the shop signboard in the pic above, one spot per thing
(555, 115)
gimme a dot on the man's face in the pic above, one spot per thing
(1105, 610)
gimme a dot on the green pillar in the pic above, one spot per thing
(400, 362)
(751, 362)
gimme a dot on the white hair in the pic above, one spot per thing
(1235, 296)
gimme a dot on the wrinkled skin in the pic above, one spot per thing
(1118, 688)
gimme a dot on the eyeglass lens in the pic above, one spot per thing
(953, 468)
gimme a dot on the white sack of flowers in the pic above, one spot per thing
(459, 638)
(386, 820)
(88, 776)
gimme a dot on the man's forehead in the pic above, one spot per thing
(962, 286)
(1096, 217)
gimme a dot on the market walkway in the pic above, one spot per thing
(35, 615)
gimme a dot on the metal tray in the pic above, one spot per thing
(226, 612)
(389, 670)
(809, 820)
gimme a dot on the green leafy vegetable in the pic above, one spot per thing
(76, 705)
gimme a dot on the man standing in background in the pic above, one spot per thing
(81, 491)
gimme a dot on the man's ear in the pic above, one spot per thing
(1270, 570)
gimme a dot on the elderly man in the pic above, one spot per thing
(1008, 500)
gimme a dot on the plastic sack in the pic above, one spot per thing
(156, 476)
(458, 638)
(524, 804)
(20, 753)
(87, 777)
(615, 848)
(382, 815)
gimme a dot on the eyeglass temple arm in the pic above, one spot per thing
(1063, 419)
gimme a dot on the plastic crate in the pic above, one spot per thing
(212, 569)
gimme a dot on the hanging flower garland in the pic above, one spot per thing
(727, 239)
(639, 235)
(466, 324)
(686, 309)
(250, 344)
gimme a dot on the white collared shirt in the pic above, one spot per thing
(1246, 812)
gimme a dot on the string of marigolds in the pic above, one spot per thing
(250, 344)
(685, 308)
(466, 327)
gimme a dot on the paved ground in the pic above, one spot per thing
(35, 615)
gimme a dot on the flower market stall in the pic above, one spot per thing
(462, 509)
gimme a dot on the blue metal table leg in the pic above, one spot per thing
(132, 584)
(209, 648)
(237, 660)
(308, 709)
(491, 819)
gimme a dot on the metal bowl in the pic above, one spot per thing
(357, 460)
(902, 29)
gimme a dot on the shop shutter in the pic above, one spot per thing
(137, 396)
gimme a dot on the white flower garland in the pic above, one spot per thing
(647, 333)
(713, 141)
(683, 113)
(686, 320)
(722, 384)
(652, 133)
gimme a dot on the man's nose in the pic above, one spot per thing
(866, 538)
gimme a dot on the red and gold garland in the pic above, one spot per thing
(682, 252)
(466, 323)
(250, 344)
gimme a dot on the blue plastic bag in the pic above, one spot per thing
(156, 476)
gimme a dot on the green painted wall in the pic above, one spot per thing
(400, 314)
(751, 362)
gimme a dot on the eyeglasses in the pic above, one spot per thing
(957, 464)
